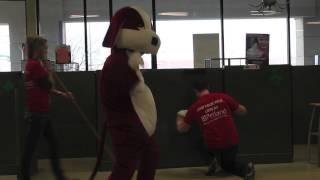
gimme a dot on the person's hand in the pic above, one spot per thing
(179, 121)
(49, 66)
(182, 127)
(68, 95)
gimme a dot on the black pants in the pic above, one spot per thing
(228, 160)
(40, 125)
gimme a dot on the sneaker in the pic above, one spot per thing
(251, 172)
(214, 168)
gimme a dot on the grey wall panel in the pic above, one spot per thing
(173, 91)
(266, 130)
(74, 137)
(11, 114)
(306, 90)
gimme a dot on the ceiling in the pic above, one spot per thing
(196, 9)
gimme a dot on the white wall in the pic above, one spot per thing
(312, 36)
(13, 13)
(205, 46)
(297, 42)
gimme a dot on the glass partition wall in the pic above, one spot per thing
(191, 30)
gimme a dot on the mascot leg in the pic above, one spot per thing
(149, 161)
(133, 149)
(126, 147)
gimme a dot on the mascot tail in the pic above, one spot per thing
(100, 152)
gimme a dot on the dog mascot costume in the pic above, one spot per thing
(131, 114)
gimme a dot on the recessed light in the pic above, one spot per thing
(173, 14)
(264, 13)
(74, 16)
(257, 14)
(313, 22)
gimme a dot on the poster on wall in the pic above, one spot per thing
(257, 49)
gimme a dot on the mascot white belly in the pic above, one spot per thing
(145, 107)
(141, 96)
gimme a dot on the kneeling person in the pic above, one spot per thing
(214, 112)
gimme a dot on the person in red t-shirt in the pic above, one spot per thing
(214, 112)
(38, 87)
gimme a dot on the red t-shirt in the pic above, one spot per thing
(37, 98)
(214, 113)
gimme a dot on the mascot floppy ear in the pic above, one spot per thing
(110, 38)
(112, 33)
(126, 16)
(131, 29)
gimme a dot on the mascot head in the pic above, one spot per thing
(131, 29)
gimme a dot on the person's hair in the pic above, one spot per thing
(200, 86)
(34, 43)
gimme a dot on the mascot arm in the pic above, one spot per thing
(117, 84)
(127, 79)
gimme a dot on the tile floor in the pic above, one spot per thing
(300, 170)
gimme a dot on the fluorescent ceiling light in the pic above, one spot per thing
(257, 14)
(173, 14)
(313, 22)
(74, 16)
(264, 13)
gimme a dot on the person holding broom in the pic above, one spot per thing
(39, 85)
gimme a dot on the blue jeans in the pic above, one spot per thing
(40, 125)
(229, 162)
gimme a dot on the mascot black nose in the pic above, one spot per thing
(155, 41)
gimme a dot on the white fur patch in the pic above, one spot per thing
(145, 107)
(138, 40)
(142, 98)
(182, 113)
(135, 60)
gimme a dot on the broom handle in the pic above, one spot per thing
(84, 117)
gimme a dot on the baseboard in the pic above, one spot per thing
(105, 165)
(9, 169)
(13, 169)
(256, 158)
(268, 158)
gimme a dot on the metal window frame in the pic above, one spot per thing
(154, 20)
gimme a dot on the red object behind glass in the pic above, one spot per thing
(63, 55)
